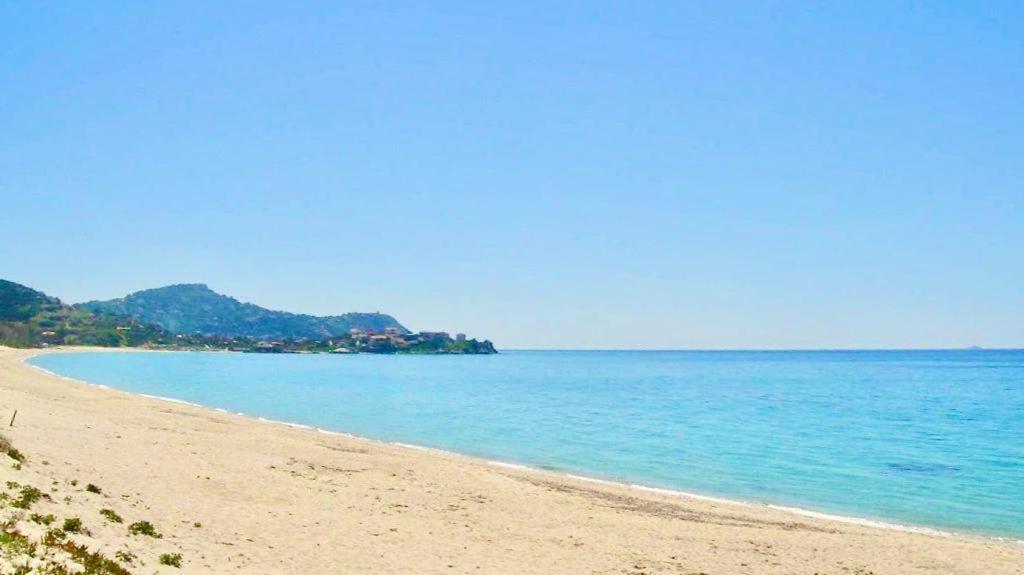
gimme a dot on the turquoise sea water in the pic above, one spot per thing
(930, 438)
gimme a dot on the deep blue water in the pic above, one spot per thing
(932, 438)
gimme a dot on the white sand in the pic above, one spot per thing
(277, 499)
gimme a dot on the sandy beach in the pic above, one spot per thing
(236, 494)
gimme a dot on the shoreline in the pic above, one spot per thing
(717, 518)
(863, 521)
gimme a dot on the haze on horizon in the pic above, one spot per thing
(729, 175)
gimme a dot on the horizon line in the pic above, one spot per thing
(703, 349)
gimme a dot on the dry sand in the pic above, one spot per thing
(275, 499)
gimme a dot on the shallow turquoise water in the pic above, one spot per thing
(932, 438)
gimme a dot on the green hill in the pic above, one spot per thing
(29, 318)
(19, 303)
(196, 309)
(196, 318)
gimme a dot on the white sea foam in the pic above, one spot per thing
(171, 399)
(338, 434)
(63, 377)
(286, 423)
(509, 465)
(864, 521)
(587, 479)
(689, 495)
(423, 448)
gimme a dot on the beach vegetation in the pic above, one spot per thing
(10, 450)
(171, 559)
(53, 554)
(111, 515)
(42, 519)
(90, 562)
(125, 556)
(73, 525)
(54, 537)
(27, 497)
(93, 489)
(16, 544)
(144, 528)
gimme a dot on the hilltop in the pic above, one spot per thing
(192, 316)
(197, 309)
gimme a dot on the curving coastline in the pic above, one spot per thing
(806, 512)
(679, 530)
(809, 511)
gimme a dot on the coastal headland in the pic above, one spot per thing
(229, 493)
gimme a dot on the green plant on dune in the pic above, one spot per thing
(27, 497)
(54, 537)
(144, 528)
(10, 450)
(91, 563)
(171, 559)
(73, 525)
(42, 519)
(15, 544)
(111, 515)
(25, 556)
(93, 489)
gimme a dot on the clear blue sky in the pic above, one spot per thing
(577, 174)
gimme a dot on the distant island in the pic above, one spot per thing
(192, 316)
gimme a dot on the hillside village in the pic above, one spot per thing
(391, 340)
(29, 318)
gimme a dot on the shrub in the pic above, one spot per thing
(72, 525)
(6, 447)
(54, 537)
(28, 496)
(91, 562)
(143, 528)
(93, 489)
(172, 559)
(13, 544)
(111, 515)
(42, 519)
